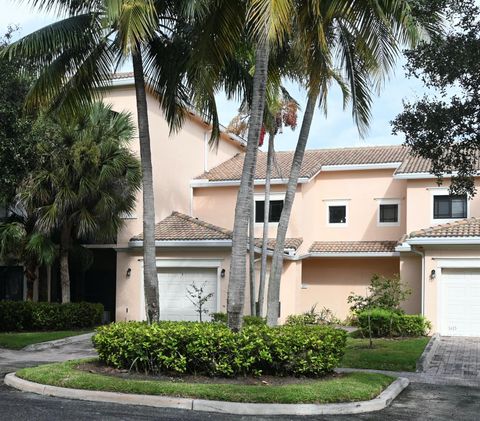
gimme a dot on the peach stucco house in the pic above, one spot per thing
(358, 212)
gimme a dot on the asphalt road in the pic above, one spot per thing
(418, 402)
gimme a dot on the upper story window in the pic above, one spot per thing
(388, 213)
(275, 210)
(449, 207)
(337, 213)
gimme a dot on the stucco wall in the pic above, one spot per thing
(420, 203)
(176, 158)
(411, 275)
(328, 282)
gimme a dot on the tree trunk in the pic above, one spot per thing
(64, 268)
(150, 280)
(236, 285)
(277, 259)
(263, 266)
(251, 252)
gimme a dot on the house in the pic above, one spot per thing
(357, 212)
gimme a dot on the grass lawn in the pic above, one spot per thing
(345, 388)
(387, 354)
(19, 340)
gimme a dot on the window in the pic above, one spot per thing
(337, 214)
(449, 207)
(276, 207)
(389, 213)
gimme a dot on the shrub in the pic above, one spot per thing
(27, 315)
(313, 317)
(247, 320)
(214, 350)
(386, 323)
(383, 292)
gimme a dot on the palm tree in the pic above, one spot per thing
(85, 180)
(362, 41)
(20, 243)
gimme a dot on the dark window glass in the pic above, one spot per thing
(449, 207)
(337, 214)
(389, 213)
(276, 207)
(11, 283)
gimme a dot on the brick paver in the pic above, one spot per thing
(455, 357)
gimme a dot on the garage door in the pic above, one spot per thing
(173, 284)
(460, 302)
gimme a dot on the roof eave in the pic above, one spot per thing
(196, 183)
(444, 241)
(355, 254)
(184, 243)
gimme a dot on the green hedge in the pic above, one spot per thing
(385, 323)
(27, 315)
(214, 350)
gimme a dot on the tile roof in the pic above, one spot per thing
(290, 243)
(469, 227)
(122, 75)
(312, 162)
(414, 164)
(178, 226)
(353, 247)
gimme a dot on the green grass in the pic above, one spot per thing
(387, 354)
(19, 340)
(345, 388)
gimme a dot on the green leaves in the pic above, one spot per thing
(213, 349)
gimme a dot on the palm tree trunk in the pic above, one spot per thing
(277, 259)
(263, 265)
(236, 285)
(64, 268)
(251, 252)
(150, 280)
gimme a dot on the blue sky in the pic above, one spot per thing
(335, 130)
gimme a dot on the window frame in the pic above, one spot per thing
(450, 200)
(389, 202)
(260, 197)
(442, 191)
(333, 203)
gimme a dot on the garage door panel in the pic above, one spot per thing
(460, 302)
(174, 284)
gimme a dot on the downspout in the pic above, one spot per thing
(422, 255)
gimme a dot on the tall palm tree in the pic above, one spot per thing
(85, 180)
(362, 41)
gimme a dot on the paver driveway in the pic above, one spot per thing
(455, 358)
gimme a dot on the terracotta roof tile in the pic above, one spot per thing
(178, 226)
(464, 228)
(290, 243)
(352, 246)
(312, 162)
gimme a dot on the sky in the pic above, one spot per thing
(335, 130)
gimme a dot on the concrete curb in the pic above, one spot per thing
(380, 402)
(42, 346)
(427, 354)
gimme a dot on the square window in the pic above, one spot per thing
(449, 207)
(276, 207)
(337, 214)
(389, 213)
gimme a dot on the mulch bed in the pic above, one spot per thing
(98, 367)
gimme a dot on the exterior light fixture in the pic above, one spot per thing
(433, 274)
(222, 273)
(129, 272)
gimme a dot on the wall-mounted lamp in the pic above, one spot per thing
(129, 272)
(433, 274)
(222, 273)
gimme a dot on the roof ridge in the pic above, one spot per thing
(202, 223)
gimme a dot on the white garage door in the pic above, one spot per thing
(173, 284)
(460, 302)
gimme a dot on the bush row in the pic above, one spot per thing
(214, 350)
(27, 315)
(247, 320)
(390, 323)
